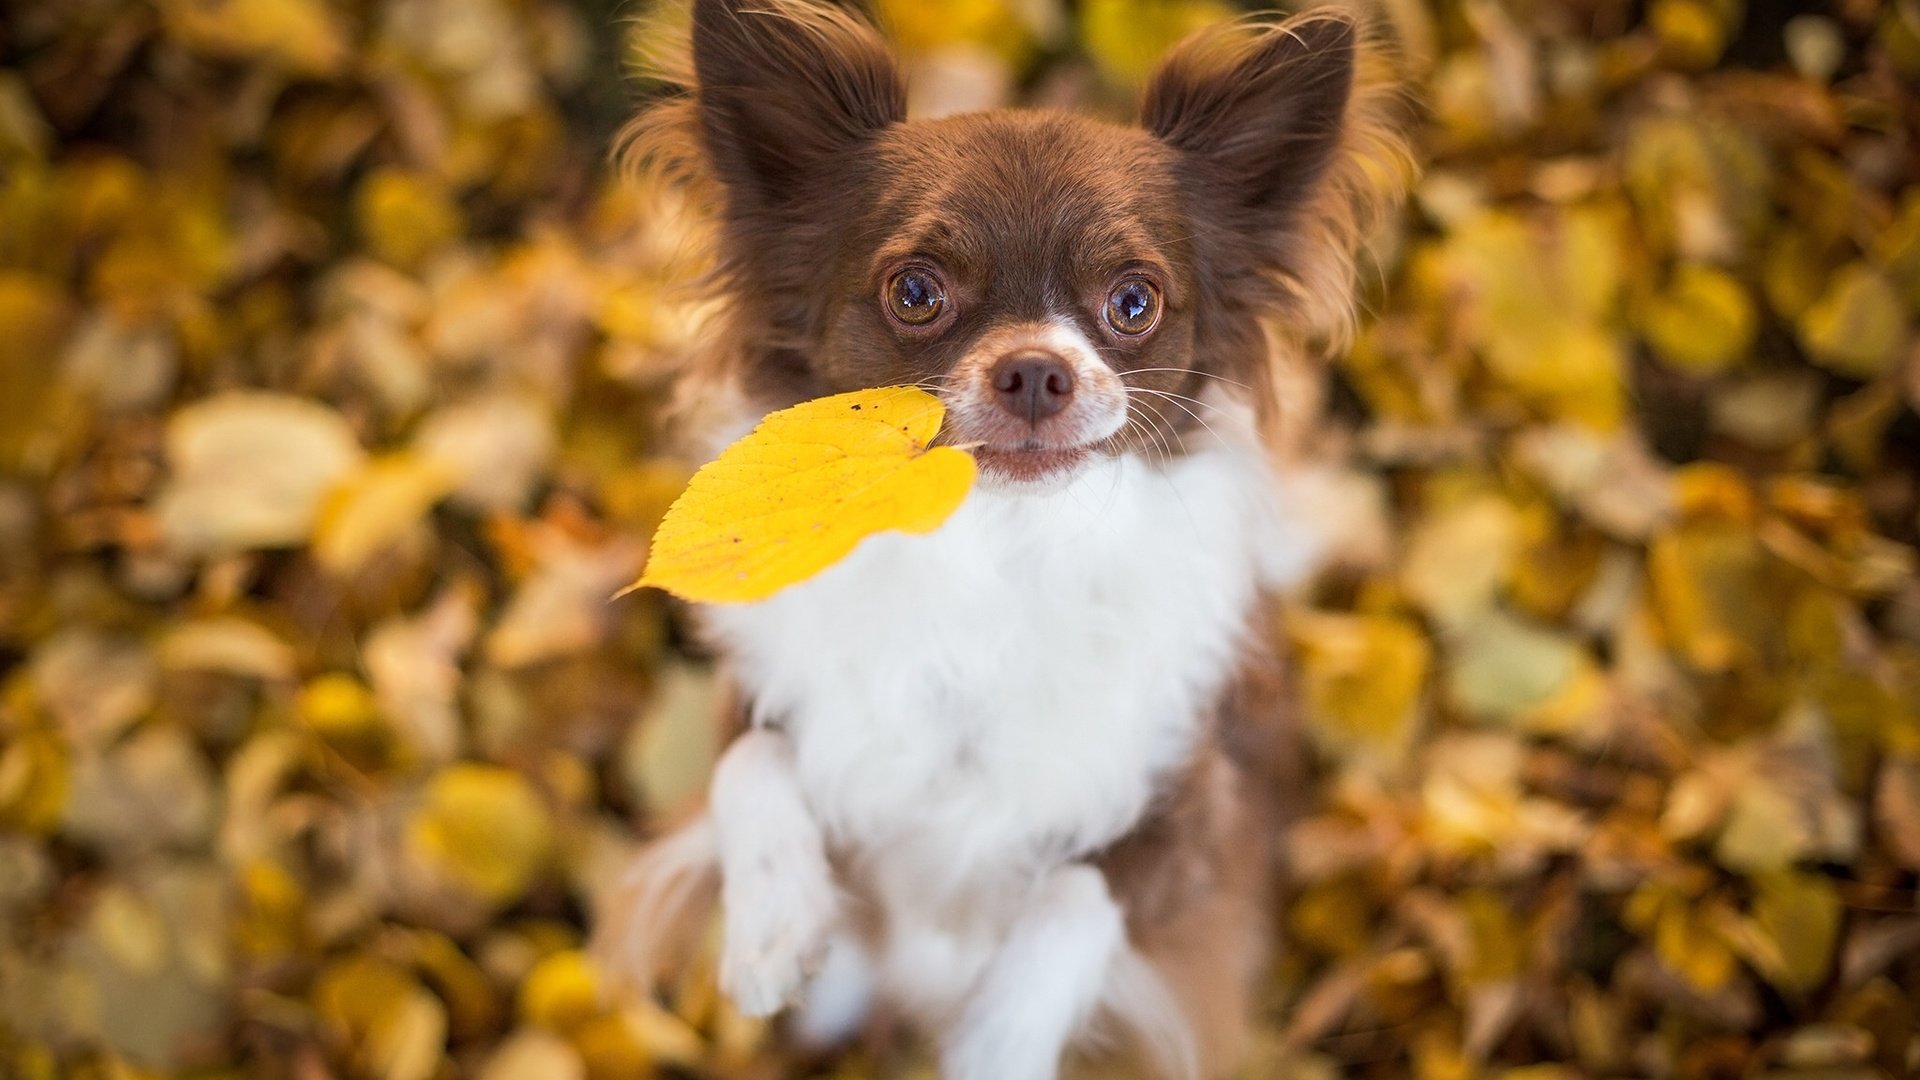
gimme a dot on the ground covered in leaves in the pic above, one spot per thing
(330, 352)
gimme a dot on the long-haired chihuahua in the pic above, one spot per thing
(1015, 781)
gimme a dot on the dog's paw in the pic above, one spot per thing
(779, 921)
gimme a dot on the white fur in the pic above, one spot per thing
(838, 998)
(1043, 982)
(776, 887)
(1142, 1005)
(972, 711)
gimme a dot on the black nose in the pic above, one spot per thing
(1032, 385)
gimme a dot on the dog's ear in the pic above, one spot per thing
(1256, 113)
(783, 87)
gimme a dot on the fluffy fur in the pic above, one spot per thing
(1014, 779)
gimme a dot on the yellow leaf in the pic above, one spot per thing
(269, 924)
(338, 706)
(131, 932)
(534, 1055)
(1689, 945)
(997, 25)
(1792, 271)
(34, 315)
(1537, 296)
(1693, 31)
(1707, 587)
(1127, 38)
(1703, 323)
(796, 495)
(1857, 326)
(1460, 555)
(375, 506)
(405, 216)
(666, 1037)
(611, 1049)
(229, 645)
(1363, 675)
(484, 826)
(1800, 914)
(562, 992)
(397, 1028)
(303, 35)
(35, 777)
(1499, 941)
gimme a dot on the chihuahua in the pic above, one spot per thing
(1016, 781)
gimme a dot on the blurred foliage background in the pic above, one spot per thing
(330, 355)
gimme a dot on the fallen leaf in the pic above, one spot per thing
(534, 1055)
(414, 665)
(1858, 325)
(1460, 555)
(303, 35)
(1363, 678)
(485, 827)
(561, 608)
(1512, 671)
(1703, 323)
(374, 506)
(227, 644)
(405, 215)
(497, 448)
(250, 469)
(670, 751)
(1799, 915)
(397, 1028)
(561, 993)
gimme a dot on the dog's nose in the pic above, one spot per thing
(1032, 385)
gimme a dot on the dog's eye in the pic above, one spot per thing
(1133, 307)
(915, 297)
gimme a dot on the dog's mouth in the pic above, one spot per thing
(1031, 462)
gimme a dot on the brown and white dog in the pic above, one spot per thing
(1012, 780)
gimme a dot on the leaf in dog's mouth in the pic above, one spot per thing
(801, 490)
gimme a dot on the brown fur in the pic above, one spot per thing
(1196, 877)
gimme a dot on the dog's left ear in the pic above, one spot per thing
(1256, 114)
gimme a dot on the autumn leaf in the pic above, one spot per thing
(1703, 323)
(485, 827)
(1857, 326)
(252, 469)
(374, 507)
(1362, 679)
(798, 493)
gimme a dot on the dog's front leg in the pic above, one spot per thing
(777, 891)
(1043, 983)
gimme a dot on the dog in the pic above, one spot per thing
(1017, 781)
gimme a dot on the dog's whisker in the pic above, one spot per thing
(1182, 371)
(1179, 404)
(1141, 434)
(1159, 424)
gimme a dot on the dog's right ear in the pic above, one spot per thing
(784, 86)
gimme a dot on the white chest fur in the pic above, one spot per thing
(1001, 694)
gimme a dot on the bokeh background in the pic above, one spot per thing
(331, 355)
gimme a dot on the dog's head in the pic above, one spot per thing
(1069, 287)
